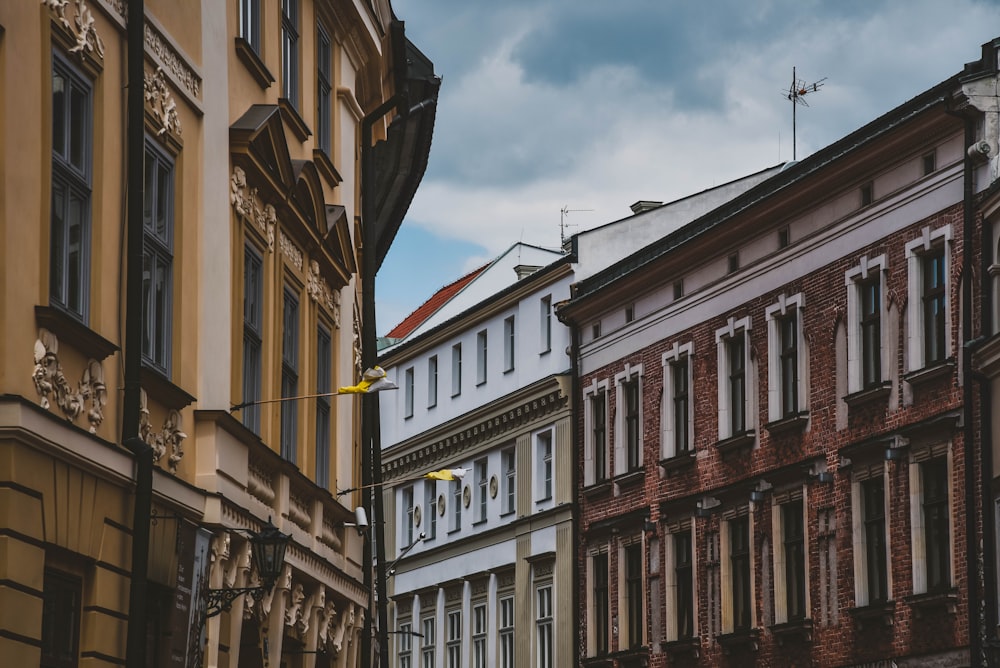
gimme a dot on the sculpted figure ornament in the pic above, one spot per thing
(249, 207)
(346, 619)
(293, 613)
(51, 383)
(327, 619)
(171, 435)
(161, 103)
(82, 26)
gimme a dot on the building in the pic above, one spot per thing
(481, 570)
(255, 120)
(780, 433)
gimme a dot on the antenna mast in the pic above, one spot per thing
(796, 92)
(563, 212)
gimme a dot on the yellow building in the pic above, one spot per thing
(252, 273)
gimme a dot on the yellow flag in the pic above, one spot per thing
(446, 474)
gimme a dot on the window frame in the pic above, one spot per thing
(290, 58)
(677, 410)
(482, 361)
(865, 526)
(407, 525)
(930, 244)
(791, 562)
(158, 258)
(408, 381)
(456, 369)
(291, 320)
(860, 357)
(60, 585)
(544, 441)
(324, 364)
(784, 402)
(404, 645)
(427, 646)
(481, 469)
(73, 181)
(628, 431)
(431, 499)
(738, 587)
(544, 626)
(546, 324)
(681, 582)
(324, 89)
(456, 503)
(508, 459)
(927, 545)
(599, 590)
(633, 602)
(595, 443)
(453, 643)
(509, 343)
(250, 24)
(505, 629)
(480, 626)
(731, 378)
(253, 336)
(432, 381)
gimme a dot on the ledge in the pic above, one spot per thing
(800, 629)
(324, 164)
(938, 602)
(602, 661)
(293, 119)
(738, 443)
(597, 489)
(74, 333)
(931, 373)
(630, 479)
(870, 395)
(160, 388)
(876, 615)
(747, 639)
(792, 423)
(683, 647)
(253, 63)
(679, 462)
(636, 657)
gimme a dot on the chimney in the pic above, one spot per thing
(525, 270)
(644, 205)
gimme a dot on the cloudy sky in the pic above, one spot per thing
(594, 104)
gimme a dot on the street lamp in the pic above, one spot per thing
(268, 551)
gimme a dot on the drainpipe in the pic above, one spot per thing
(135, 643)
(577, 436)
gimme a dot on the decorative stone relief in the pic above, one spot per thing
(82, 26)
(346, 621)
(327, 620)
(249, 206)
(298, 511)
(170, 436)
(293, 612)
(179, 70)
(91, 394)
(320, 292)
(161, 102)
(357, 342)
(290, 250)
(259, 484)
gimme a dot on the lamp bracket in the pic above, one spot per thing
(220, 600)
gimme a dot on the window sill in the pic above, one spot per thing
(73, 332)
(453, 531)
(683, 647)
(738, 443)
(931, 373)
(799, 629)
(253, 63)
(678, 463)
(294, 120)
(877, 615)
(545, 352)
(795, 422)
(597, 489)
(326, 167)
(870, 395)
(160, 388)
(478, 522)
(507, 513)
(508, 371)
(544, 499)
(748, 639)
(630, 479)
(934, 603)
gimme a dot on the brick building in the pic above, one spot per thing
(778, 442)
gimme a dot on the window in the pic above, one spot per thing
(678, 413)
(408, 518)
(510, 480)
(783, 237)
(479, 636)
(931, 520)
(456, 505)
(432, 381)
(408, 393)
(72, 112)
(324, 87)
(595, 330)
(430, 498)
(927, 319)
(596, 434)
(735, 412)
(790, 571)
(929, 163)
(600, 622)
(871, 573)
(157, 259)
(733, 263)
(787, 359)
(546, 320)
(740, 573)
(543, 452)
(543, 626)
(482, 490)
(253, 303)
(634, 599)
(61, 612)
(456, 369)
(866, 351)
(481, 357)
(455, 639)
(628, 433)
(289, 375)
(508, 344)
(250, 23)
(290, 51)
(405, 637)
(680, 605)
(867, 194)
(323, 365)
(629, 313)
(427, 643)
(506, 632)
(678, 288)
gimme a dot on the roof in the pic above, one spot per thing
(430, 307)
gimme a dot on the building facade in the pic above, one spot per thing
(481, 567)
(778, 446)
(251, 289)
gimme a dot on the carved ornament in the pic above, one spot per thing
(81, 27)
(161, 102)
(320, 292)
(90, 395)
(170, 436)
(290, 250)
(249, 207)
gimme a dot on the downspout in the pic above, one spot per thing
(986, 448)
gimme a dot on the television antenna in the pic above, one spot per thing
(796, 94)
(563, 212)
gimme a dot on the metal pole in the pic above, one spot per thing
(135, 648)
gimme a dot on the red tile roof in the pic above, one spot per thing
(430, 307)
